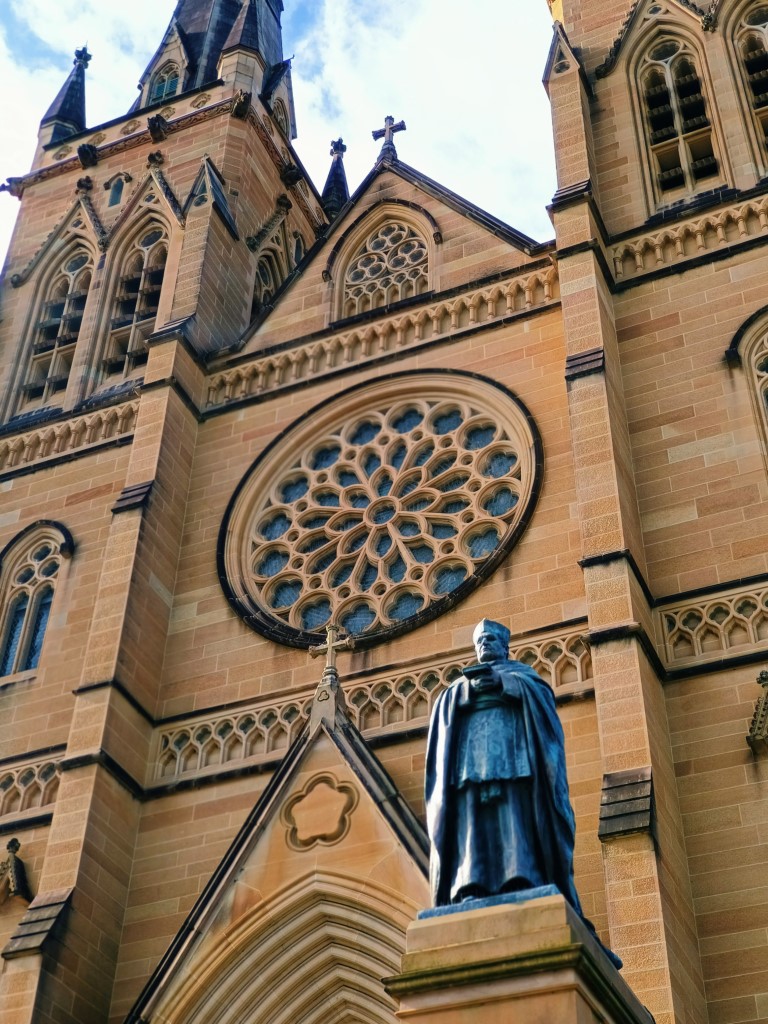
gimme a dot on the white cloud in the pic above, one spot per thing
(465, 79)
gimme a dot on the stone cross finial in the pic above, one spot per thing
(386, 133)
(329, 697)
(331, 646)
(338, 148)
(83, 57)
(389, 129)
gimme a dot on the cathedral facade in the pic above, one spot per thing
(236, 410)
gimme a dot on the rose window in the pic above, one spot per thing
(381, 509)
(391, 265)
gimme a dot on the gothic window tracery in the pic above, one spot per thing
(57, 330)
(755, 357)
(677, 124)
(136, 302)
(751, 39)
(392, 264)
(380, 517)
(29, 577)
(165, 83)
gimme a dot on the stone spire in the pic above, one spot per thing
(336, 190)
(244, 34)
(66, 115)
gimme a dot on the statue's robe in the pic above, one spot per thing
(483, 788)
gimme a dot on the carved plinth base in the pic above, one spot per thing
(509, 961)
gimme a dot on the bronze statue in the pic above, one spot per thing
(498, 811)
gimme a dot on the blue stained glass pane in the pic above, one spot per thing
(327, 499)
(384, 485)
(443, 465)
(313, 544)
(371, 464)
(409, 529)
(442, 531)
(449, 579)
(397, 458)
(452, 507)
(324, 561)
(347, 478)
(396, 570)
(479, 437)
(326, 457)
(453, 482)
(316, 615)
(276, 527)
(419, 505)
(358, 619)
(448, 421)
(501, 502)
(272, 563)
(409, 486)
(407, 421)
(500, 464)
(384, 513)
(38, 630)
(49, 570)
(13, 635)
(342, 574)
(369, 577)
(405, 606)
(348, 524)
(422, 553)
(358, 542)
(365, 432)
(286, 594)
(358, 500)
(294, 490)
(315, 522)
(424, 454)
(25, 575)
(481, 544)
(383, 544)
(42, 552)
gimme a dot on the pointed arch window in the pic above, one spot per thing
(165, 83)
(752, 49)
(677, 125)
(137, 300)
(755, 358)
(31, 568)
(57, 330)
(390, 265)
(270, 274)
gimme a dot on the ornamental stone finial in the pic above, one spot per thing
(82, 57)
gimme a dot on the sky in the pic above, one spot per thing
(466, 78)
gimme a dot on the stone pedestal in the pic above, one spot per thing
(506, 960)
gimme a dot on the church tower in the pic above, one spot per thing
(246, 423)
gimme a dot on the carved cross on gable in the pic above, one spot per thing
(389, 130)
(332, 645)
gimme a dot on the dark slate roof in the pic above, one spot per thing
(208, 27)
(336, 190)
(244, 34)
(68, 109)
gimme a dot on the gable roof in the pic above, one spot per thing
(328, 719)
(340, 226)
(632, 18)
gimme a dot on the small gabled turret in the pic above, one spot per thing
(66, 115)
(336, 190)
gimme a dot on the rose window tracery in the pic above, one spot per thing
(379, 518)
(391, 265)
